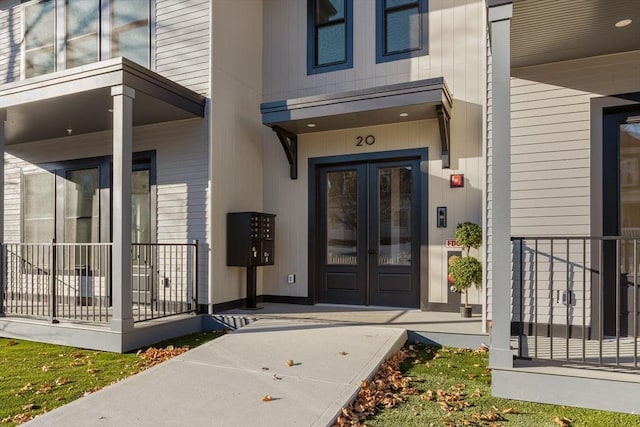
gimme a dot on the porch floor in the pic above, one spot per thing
(427, 326)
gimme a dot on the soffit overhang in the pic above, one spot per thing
(79, 99)
(547, 31)
(417, 100)
(359, 108)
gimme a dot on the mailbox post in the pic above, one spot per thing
(250, 244)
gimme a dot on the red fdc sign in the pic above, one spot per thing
(451, 244)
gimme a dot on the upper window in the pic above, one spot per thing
(330, 35)
(401, 29)
(84, 35)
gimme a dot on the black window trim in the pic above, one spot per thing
(381, 30)
(312, 31)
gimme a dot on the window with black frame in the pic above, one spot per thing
(401, 29)
(330, 35)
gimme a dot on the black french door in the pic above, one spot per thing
(621, 217)
(368, 234)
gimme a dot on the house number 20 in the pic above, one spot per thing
(369, 140)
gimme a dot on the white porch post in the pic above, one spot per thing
(3, 118)
(500, 26)
(122, 319)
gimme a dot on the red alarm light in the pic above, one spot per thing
(457, 180)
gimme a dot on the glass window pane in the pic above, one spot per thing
(331, 44)
(403, 30)
(329, 11)
(125, 12)
(81, 206)
(342, 217)
(130, 30)
(83, 50)
(140, 208)
(82, 17)
(39, 24)
(395, 3)
(394, 216)
(39, 61)
(38, 207)
(630, 179)
(38, 195)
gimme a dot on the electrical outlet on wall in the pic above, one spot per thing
(291, 278)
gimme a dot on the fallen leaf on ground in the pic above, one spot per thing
(264, 368)
(290, 362)
(275, 377)
(562, 422)
(509, 411)
(343, 353)
(28, 406)
(62, 381)
(267, 398)
(152, 356)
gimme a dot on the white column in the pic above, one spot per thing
(3, 118)
(122, 319)
(500, 27)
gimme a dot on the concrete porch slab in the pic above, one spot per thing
(222, 382)
(441, 328)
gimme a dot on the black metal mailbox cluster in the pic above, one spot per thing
(250, 243)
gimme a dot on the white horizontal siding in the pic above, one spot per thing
(10, 40)
(182, 42)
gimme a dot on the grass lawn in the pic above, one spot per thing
(460, 382)
(36, 377)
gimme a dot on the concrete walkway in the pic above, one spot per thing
(222, 383)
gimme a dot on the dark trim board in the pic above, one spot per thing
(445, 307)
(555, 330)
(285, 299)
(280, 299)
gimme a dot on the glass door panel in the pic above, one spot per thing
(394, 215)
(81, 206)
(342, 217)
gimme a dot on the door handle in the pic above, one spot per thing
(373, 251)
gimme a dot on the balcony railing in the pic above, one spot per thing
(72, 281)
(575, 300)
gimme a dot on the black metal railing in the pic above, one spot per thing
(165, 279)
(72, 281)
(57, 281)
(575, 299)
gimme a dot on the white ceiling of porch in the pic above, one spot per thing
(546, 31)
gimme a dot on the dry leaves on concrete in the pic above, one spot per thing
(152, 356)
(387, 389)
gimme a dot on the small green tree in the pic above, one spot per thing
(469, 235)
(467, 270)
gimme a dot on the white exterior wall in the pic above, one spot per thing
(181, 177)
(236, 133)
(551, 139)
(456, 52)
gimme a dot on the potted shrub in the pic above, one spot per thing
(467, 270)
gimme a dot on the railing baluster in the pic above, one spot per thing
(584, 297)
(600, 301)
(551, 301)
(618, 273)
(568, 303)
(635, 303)
(535, 301)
